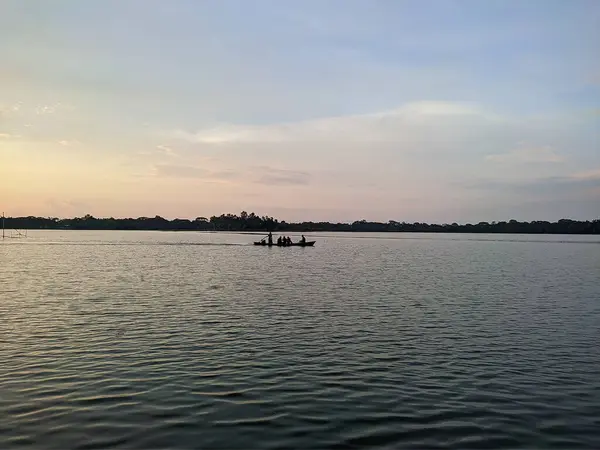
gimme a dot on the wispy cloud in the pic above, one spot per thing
(9, 136)
(280, 177)
(194, 172)
(53, 108)
(170, 170)
(547, 186)
(27, 113)
(166, 150)
(382, 126)
(264, 175)
(9, 110)
(587, 175)
(159, 152)
(68, 143)
(527, 155)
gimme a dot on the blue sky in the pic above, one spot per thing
(338, 110)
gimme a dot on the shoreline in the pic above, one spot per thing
(252, 223)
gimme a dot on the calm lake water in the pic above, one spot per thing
(144, 340)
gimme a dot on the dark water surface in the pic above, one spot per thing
(133, 340)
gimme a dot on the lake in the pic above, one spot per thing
(144, 340)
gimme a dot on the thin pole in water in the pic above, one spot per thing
(2, 225)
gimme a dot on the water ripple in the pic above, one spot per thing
(184, 341)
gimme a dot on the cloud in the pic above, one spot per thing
(588, 175)
(381, 126)
(166, 150)
(574, 181)
(263, 175)
(68, 143)
(9, 136)
(434, 145)
(7, 111)
(159, 152)
(548, 186)
(42, 110)
(170, 170)
(280, 177)
(527, 155)
(541, 198)
(194, 172)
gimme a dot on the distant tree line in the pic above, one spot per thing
(253, 222)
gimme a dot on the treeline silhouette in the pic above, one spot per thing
(253, 222)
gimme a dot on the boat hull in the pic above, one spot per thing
(293, 244)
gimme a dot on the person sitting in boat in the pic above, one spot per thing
(279, 240)
(289, 240)
(303, 240)
(270, 238)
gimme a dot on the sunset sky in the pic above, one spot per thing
(429, 110)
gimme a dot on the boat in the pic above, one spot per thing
(293, 244)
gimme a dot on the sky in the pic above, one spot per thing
(426, 110)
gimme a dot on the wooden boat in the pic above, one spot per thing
(293, 244)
